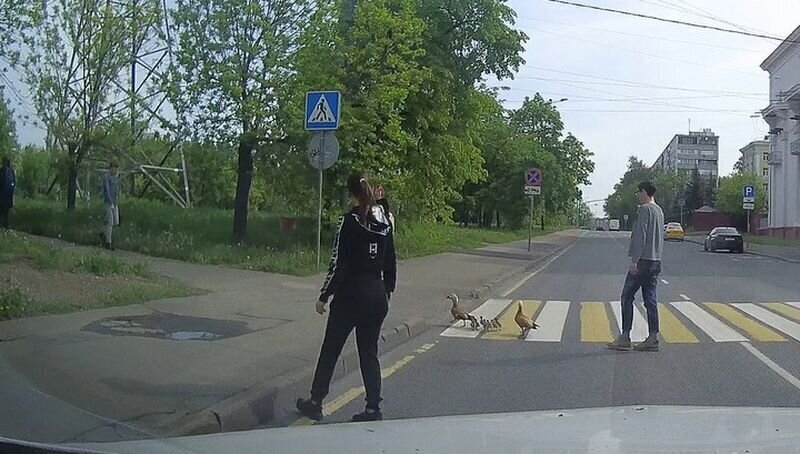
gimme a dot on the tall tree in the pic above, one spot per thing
(695, 194)
(17, 18)
(233, 56)
(71, 63)
(8, 131)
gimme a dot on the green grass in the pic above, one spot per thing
(771, 240)
(128, 293)
(17, 247)
(203, 235)
(13, 301)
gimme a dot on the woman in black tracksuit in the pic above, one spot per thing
(361, 279)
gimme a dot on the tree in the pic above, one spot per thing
(622, 201)
(232, 58)
(695, 194)
(738, 166)
(72, 60)
(731, 189)
(17, 17)
(8, 132)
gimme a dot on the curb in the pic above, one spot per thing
(758, 253)
(259, 404)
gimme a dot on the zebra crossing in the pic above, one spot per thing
(681, 322)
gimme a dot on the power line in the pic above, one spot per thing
(635, 84)
(645, 111)
(639, 35)
(673, 21)
(685, 62)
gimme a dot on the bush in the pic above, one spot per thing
(13, 302)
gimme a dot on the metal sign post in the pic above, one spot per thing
(681, 203)
(748, 202)
(322, 114)
(533, 187)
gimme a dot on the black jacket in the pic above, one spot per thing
(7, 179)
(361, 252)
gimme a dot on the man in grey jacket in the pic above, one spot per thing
(110, 199)
(647, 242)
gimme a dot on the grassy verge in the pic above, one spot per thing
(38, 279)
(202, 235)
(771, 240)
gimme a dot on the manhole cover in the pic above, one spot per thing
(169, 326)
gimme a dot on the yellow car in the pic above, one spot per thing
(673, 231)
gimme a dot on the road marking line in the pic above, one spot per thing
(490, 309)
(788, 311)
(595, 326)
(755, 329)
(424, 348)
(672, 329)
(551, 322)
(510, 330)
(686, 298)
(770, 318)
(793, 304)
(772, 365)
(351, 394)
(665, 281)
(717, 330)
(546, 264)
(639, 328)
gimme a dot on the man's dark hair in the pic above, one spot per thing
(6, 162)
(647, 187)
(112, 165)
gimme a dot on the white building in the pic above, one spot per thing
(695, 150)
(783, 117)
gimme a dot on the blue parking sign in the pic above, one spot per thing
(322, 110)
(749, 191)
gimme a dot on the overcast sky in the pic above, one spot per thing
(583, 55)
(589, 47)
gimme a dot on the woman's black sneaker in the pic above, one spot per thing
(368, 415)
(309, 409)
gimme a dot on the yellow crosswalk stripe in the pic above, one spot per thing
(595, 326)
(671, 328)
(784, 309)
(753, 328)
(510, 330)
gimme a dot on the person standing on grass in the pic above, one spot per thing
(647, 242)
(8, 183)
(110, 199)
(361, 279)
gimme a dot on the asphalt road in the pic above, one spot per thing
(731, 338)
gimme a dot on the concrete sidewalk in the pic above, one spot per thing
(229, 359)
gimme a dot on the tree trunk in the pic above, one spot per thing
(72, 176)
(497, 217)
(245, 178)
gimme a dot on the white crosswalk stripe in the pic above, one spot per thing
(770, 318)
(489, 310)
(795, 304)
(639, 328)
(717, 330)
(551, 321)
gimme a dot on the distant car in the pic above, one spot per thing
(724, 238)
(674, 231)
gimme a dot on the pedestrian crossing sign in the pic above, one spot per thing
(322, 110)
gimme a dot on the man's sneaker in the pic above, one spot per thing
(368, 415)
(309, 409)
(620, 343)
(648, 345)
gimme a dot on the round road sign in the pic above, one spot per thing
(533, 177)
(681, 202)
(323, 150)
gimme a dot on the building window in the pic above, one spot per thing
(687, 140)
(765, 156)
(764, 172)
(766, 187)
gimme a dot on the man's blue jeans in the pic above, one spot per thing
(646, 279)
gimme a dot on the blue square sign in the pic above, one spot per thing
(749, 191)
(322, 110)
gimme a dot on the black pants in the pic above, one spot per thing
(4, 210)
(363, 306)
